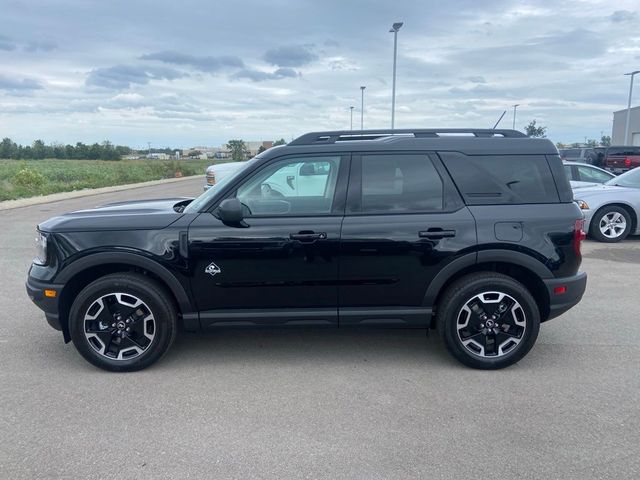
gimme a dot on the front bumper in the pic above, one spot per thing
(571, 288)
(49, 305)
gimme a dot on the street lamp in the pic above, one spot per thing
(351, 108)
(626, 127)
(514, 114)
(362, 107)
(394, 29)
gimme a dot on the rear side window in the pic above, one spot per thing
(623, 151)
(400, 183)
(501, 179)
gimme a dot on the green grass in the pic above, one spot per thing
(29, 178)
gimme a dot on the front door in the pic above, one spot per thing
(404, 222)
(281, 266)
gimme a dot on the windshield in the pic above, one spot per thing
(203, 199)
(628, 179)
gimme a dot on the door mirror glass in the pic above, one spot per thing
(230, 211)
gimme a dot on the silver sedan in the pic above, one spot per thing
(611, 211)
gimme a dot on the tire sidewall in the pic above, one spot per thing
(462, 296)
(164, 317)
(599, 215)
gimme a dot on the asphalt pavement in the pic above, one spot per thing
(321, 404)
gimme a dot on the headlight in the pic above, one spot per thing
(582, 204)
(41, 249)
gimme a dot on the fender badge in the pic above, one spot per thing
(212, 269)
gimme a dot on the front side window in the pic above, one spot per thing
(295, 186)
(592, 175)
(400, 183)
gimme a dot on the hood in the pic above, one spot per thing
(578, 184)
(132, 215)
(608, 191)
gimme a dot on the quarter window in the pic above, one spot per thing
(501, 179)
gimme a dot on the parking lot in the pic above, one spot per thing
(315, 403)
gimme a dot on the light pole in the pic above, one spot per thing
(362, 107)
(626, 126)
(514, 115)
(351, 108)
(394, 29)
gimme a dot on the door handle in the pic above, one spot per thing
(436, 233)
(308, 236)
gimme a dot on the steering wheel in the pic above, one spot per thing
(269, 192)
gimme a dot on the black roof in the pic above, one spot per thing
(471, 141)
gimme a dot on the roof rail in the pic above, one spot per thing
(314, 138)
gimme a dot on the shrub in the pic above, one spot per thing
(28, 178)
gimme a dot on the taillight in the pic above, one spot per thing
(627, 162)
(578, 236)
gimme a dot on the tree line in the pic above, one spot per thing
(39, 150)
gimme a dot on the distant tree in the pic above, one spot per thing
(605, 140)
(535, 131)
(39, 149)
(576, 145)
(238, 149)
(261, 149)
(592, 142)
(560, 145)
(8, 148)
(279, 142)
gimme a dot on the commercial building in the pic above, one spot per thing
(620, 123)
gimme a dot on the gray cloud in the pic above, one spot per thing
(475, 79)
(259, 76)
(620, 16)
(40, 46)
(19, 85)
(6, 43)
(205, 64)
(290, 56)
(120, 77)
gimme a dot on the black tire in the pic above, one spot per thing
(155, 317)
(461, 293)
(600, 216)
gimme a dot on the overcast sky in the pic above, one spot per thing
(199, 72)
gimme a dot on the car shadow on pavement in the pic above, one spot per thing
(307, 345)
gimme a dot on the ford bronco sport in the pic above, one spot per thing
(473, 232)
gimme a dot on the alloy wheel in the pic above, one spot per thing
(491, 324)
(119, 326)
(612, 224)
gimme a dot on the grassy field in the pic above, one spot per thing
(28, 178)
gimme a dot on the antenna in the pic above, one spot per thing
(503, 114)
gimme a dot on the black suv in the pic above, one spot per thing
(474, 232)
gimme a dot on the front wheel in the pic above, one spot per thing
(488, 320)
(610, 224)
(122, 322)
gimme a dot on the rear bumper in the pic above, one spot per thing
(574, 288)
(49, 305)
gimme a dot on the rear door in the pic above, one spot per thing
(404, 222)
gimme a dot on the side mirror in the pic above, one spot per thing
(230, 211)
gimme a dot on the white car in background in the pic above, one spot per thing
(611, 211)
(585, 175)
(215, 173)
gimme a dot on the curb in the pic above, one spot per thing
(56, 197)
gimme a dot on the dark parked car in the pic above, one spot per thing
(474, 232)
(621, 159)
(576, 154)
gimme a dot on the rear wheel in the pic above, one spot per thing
(610, 224)
(122, 322)
(488, 320)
